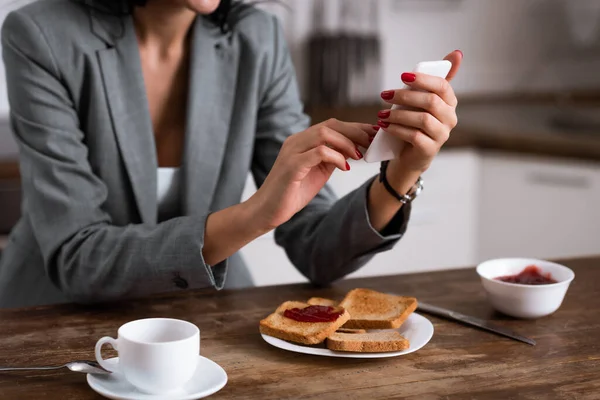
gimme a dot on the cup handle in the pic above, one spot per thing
(101, 361)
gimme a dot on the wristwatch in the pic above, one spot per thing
(413, 192)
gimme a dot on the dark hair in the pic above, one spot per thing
(125, 7)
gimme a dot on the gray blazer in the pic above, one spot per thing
(89, 230)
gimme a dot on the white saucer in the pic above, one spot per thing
(417, 329)
(208, 379)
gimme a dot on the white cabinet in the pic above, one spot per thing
(538, 207)
(475, 206)
(441, 232)
(443, 224)
(267, 262)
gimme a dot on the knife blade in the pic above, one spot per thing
(473, 321)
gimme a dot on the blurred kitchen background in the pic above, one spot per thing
(520, 175)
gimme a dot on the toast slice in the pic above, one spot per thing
(347, 330)
(372, 342)
(282, 327)
(319, 301)
(374, 310)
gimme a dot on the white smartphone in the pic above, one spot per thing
(385, 146)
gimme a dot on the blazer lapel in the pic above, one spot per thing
(213, 76)
(128, 104)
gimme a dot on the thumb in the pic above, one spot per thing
(456, 59)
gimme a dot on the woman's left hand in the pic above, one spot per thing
(425, 122)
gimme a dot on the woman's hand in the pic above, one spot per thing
(304, 164)
(425, 122)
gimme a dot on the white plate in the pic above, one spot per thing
(417, 329)
(208, 379)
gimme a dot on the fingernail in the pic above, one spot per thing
(383, 124)
(409, 77)
(347, 166)
(375, 128)
(461, 53)
(383, 113)
(387, 94)
(359, 154)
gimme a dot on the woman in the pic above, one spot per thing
(102, 101)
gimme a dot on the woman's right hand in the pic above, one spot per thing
(304, 164)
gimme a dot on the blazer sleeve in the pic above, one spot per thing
(330, 237)
(85, 255)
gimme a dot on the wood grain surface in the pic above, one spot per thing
(459, 363)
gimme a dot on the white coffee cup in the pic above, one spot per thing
(156, 355)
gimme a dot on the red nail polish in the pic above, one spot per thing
(409, 77)
(387, 94)
(383, 124)
(358, 154)
(383, 113)
(347, 166)
(461, 53)
(375, 128)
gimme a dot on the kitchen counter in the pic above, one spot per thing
(539, 126)
(459, 362)
(536, 128)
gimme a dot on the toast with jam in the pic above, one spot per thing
(370, 309)
(302, 323)
(345, 324)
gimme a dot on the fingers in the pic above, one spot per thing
(370, 130)
(323, 154)
(425, 83)
(430, 83)
(341, 136)
(356, 132)
(425, 144)
(322, 135)
(417, 101)
(455, 58)
(423, 121)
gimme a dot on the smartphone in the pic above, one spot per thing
(385, 146)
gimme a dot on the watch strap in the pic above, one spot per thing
(403, 198)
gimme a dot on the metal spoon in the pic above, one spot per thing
(87, 367)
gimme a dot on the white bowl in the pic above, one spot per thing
(524, 301)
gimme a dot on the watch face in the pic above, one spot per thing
(417, 189)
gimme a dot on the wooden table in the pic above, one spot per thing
(459, 363)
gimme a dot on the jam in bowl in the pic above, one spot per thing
(524, 287)
(531, 275)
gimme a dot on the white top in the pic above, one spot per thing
(168, 192)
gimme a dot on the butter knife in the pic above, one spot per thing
(473, 321)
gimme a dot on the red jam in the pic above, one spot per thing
(313, 314)
(531, 275)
